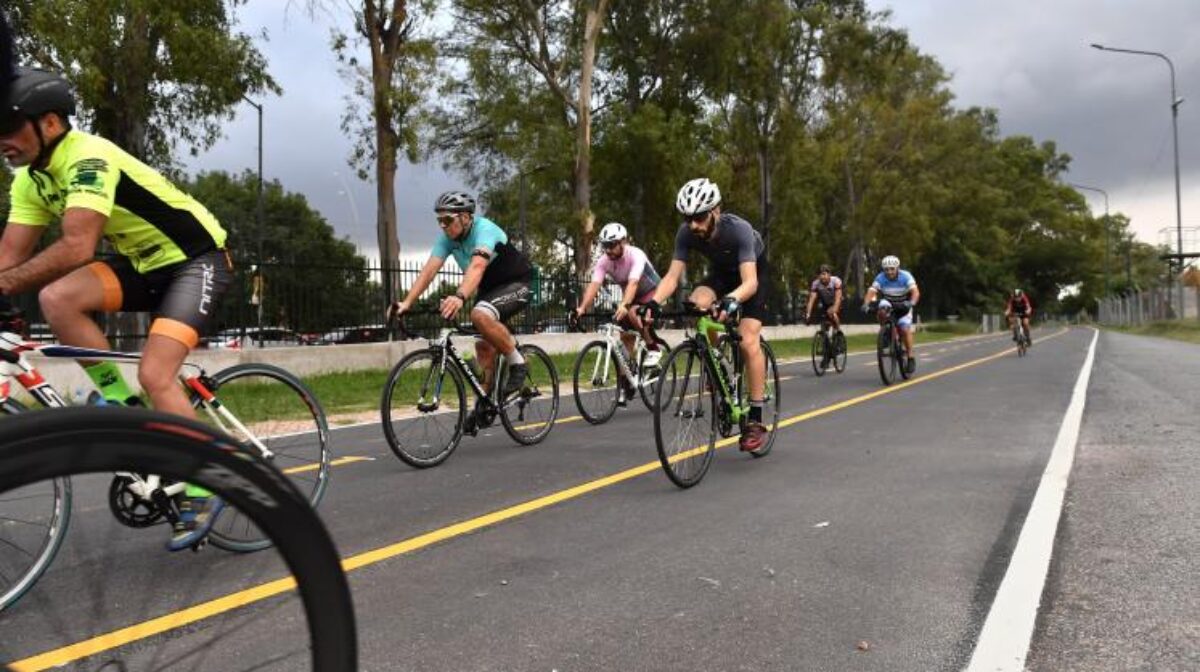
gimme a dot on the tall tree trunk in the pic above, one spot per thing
(384, 35)
(852, 225)
(583, 139)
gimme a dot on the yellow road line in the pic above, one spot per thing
(336, 463)
(116, 638)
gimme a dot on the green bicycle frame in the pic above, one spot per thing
(704, 326)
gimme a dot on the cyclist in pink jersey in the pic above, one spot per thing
(627, 266)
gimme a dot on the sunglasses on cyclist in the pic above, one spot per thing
(699, 217)
(610, 244)
(446, 220)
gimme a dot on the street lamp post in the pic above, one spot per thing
(1107, 289)
(260, 215)
(1175, 103)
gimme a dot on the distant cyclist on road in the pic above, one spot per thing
(737, 279)
(493, 270)
(1019, 306)
(826, 290)
(896, 289)
(626, 265)
(171, 252)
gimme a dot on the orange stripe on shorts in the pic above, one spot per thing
(175, 330)
(110, 285)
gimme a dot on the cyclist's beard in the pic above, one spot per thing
(466, 230)
(706, 233)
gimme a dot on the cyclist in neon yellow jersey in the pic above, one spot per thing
(172, 259)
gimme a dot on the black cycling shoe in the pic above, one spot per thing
(911, 365)
(515, 380)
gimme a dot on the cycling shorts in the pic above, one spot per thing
(504, 300)
(722, 284)
(901, 311)
(183, 297)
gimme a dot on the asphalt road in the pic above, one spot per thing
(872, 538)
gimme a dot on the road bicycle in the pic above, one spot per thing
(828, 349)
(92, 592)
(1021, 336)
(424, 404)
(709, 396)
(893, 359)
(262, 406)
(604, 363)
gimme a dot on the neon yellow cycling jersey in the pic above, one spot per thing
(150, 220)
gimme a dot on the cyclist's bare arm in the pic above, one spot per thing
(17, 244)
(749, 272)
(914, 296)
(871, 294)
(812, 301)
(424, 278)
(589, 295)
(473, 276)
(630, 292)
(670, 281)
(81, 234)
(837, 300)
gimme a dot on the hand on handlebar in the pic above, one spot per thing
(395, 310)
(649, 310)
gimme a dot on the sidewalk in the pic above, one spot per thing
(1124, 585)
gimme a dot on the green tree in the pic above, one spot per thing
(149, 75)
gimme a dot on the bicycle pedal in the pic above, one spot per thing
(199, 545)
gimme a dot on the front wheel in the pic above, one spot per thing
(424, 408)
(594, 382)
(685, 418)
(885, 351)
(820, 360)
(270, 409)
(529, 416)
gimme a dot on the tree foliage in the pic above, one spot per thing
(150, 76)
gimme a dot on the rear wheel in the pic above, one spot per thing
(685, 418)
(594, 382)
(89, 596)
(529, 416)
(840, 350)
(901, 356)
(424, 407)
(278, 411)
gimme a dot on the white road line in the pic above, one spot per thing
(1004, 641)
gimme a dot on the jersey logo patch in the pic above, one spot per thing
(87, 175)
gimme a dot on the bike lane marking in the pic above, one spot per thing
(172, 621)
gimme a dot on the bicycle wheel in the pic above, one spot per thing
(685, 422)
(108, 578)
(594, 382)
(275, 409)
(841, 352)
(424, 409)
(818, 353)
(652, 376)
(886, 356)
(900, 356)
(770, 400)
(530, 415)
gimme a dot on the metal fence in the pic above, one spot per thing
(1135, 308)
(284, 303)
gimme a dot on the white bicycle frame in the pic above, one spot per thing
(15, 366)
(612, 338)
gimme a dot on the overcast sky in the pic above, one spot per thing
(1029, 59)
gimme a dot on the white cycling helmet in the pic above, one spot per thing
(612, 232)
(697, 196)
(890, 261)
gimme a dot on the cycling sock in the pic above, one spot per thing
(195, 491)
(756, 410)
(514, 357)
(108, 379)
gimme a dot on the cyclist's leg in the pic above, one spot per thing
(159, 369)
(493, 308)
(833, 318)
(485, 354)
(906, 327)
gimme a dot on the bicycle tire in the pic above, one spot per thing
(886, 355)
(648, 391)
(58, 522)
(841, 352)
(818, 353)
(771, 402)
(90, 440)
(597, 389)
(901, 356)
(403, 448)
(300, 446)
(531, 390)
(680, 466)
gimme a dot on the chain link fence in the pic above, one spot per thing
(1136, 308)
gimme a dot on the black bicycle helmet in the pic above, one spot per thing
(454, 201)
(32, 93)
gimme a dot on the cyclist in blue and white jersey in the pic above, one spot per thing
(898, 289)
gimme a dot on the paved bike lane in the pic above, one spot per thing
(1123, 591)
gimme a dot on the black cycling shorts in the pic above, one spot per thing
(723, 283)
(505, 300)
(183, 296)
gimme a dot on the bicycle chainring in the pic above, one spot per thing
(128, 508)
